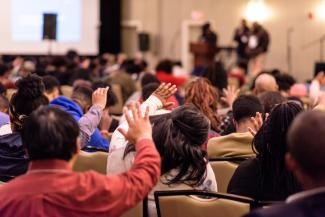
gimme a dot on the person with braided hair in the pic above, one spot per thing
(266, 177)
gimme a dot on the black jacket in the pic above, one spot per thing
(13, 159)
(312, 206)
(246, 181)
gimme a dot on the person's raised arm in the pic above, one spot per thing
(134, 185)
(89, 121)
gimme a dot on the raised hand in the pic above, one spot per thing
(139, 125)
(257, 122)
(164, 91)
(230, 95)
(99, 97)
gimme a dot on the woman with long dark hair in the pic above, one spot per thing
(266, 177)
(178, 137)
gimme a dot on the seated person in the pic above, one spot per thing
(178, 136)
(78, 105)
(4, 117)
(52, 87)
(50, 136)
(270, 99)
(204, 96)
(238, 144)
(264, 82)
(266, 177)
(305, 158)
(164, 72)
(29, 96)
(108, 124)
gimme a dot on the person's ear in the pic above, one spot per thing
(235, 123)
(290, 162)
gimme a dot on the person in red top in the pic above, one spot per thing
(51, 188)
(164, 72)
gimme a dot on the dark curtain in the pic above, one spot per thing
(110, 29)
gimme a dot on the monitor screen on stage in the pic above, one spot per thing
(22, 26)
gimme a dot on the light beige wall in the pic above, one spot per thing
(163, 18)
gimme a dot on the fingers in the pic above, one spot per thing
(259, 119)
(166, 90)
(255, 123)
(267, 116)
(253, 132)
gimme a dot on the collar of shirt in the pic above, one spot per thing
(49, 166)
(305, 194)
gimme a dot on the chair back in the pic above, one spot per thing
(224, 168)
(200, 204)
(96, 161)
(136, 211)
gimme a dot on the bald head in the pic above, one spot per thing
(265, 82)
(306, 143)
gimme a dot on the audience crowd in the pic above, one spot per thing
(160, 129)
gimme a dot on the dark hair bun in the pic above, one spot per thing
(30, 87)
(191, 123)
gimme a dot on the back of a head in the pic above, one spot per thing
(265, 82)
(83, 95)
(306, 141)
(274, 131)
(165, 66)
(271, 98)
(3, 69)
(50, 83)
(271, 147)
(284, 81)
(245, 107)
(131, 66)
(204, 96)
(50, 133)
(217, 75)
(148, 89)
(149, 78)
(29, 97)
(179, 136)
(111, 97)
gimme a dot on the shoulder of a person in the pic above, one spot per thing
(249, 164)
(282, 210)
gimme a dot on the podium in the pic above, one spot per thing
(204, 53)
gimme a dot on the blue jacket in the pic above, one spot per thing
(74, 109)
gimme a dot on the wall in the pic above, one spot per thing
(163, 19)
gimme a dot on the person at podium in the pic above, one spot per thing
(208, 36)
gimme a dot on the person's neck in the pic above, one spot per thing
(242, 126)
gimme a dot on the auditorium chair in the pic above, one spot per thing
(224, 168)
(192, 203)
(96, 161)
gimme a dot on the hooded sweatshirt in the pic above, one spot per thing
(96, 140)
